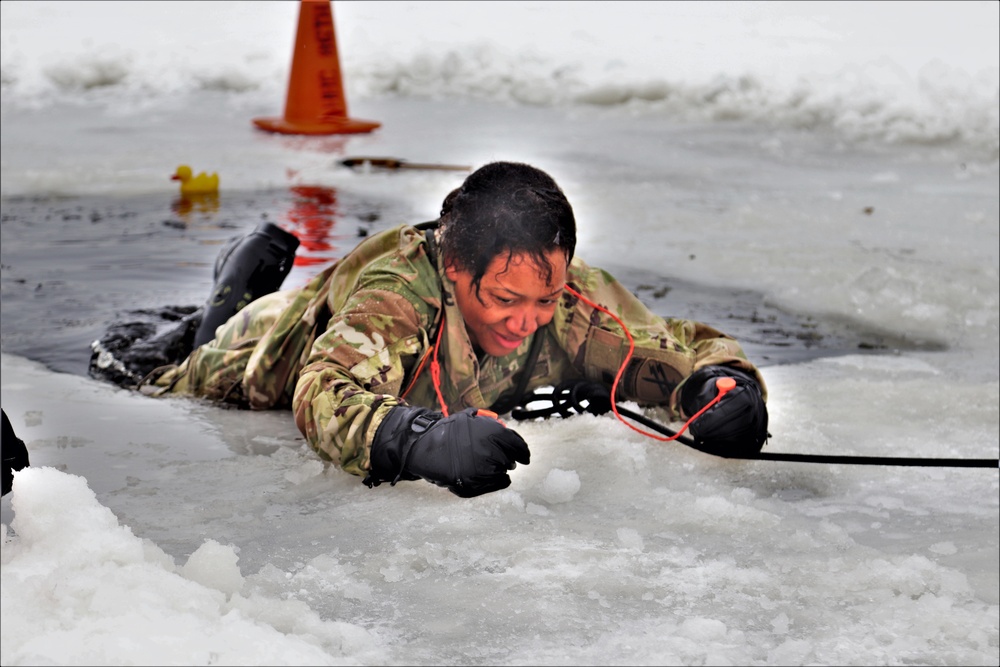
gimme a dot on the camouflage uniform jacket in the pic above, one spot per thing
(348, 347)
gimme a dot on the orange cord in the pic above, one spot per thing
(423, 362)
(724, 385)
(436, 370)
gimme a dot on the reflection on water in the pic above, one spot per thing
(191, 207)
(64, 282)
(311, 217)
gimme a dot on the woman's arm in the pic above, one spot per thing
(356, 372)
(667, 350)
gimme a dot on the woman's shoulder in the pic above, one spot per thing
(397, 261)
(582, 276)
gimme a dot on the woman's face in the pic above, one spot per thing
(516, 300)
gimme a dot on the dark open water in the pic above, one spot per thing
(73, 266)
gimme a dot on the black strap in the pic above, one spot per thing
(565, 403)
(504, 406)
(562, 400)
(428, 228)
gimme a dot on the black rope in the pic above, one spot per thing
(506, 405)
(565, 402)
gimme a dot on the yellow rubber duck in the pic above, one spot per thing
(195, 185)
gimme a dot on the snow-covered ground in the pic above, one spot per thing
(838, 162)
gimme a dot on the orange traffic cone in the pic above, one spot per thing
(315, 102)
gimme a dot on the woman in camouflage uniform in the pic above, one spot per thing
(391, 357)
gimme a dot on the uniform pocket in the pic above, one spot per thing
(382, 373)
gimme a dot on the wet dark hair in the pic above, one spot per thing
(505, 208)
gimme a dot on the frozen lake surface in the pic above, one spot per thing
(850, 240)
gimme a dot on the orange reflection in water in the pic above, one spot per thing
(311, 218)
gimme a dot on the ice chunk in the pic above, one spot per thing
(559, 486)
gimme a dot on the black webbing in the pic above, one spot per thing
(503, 406)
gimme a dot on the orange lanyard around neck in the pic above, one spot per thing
(435, 370)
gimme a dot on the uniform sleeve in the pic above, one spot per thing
(667, 350)
(355, 373)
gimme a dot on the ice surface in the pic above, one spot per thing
(113, 598)
(606, 542)
(838, 162)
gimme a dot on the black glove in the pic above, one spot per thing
(469, 453)
(737, 424)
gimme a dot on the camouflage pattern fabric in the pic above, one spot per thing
(346, 348)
